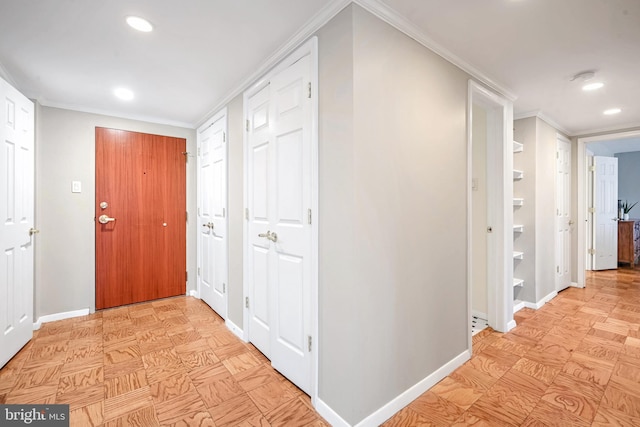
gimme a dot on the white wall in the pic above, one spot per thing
(65, 247)
(392, 213)
(479, 221)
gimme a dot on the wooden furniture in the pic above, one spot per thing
(629, 241)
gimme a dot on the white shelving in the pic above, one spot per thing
(518, 228)
(517, 147)
(518, 282)
(518, 255)
(517, 175)
(518, 201)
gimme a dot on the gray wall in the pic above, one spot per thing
(65, 247)
(629, 180)
(479, 296)
(236, 210)
(538, 161)
(392, 213)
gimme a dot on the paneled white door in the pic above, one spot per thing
(605, 188)
(563, 214)
(259, 159)
(279, 130)
(213, 268)
(16, 221)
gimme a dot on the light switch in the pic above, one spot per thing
(76, 187)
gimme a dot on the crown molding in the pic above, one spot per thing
(619, 131)
(542, 116)
(117, 114)
(393, 18)
(314, 24)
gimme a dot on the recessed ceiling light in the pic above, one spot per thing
(592, 86)
(139, 24)
(124, 94)
(611, 111)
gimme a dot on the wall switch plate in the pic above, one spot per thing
(76, 187)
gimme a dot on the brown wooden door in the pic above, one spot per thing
(141, 254)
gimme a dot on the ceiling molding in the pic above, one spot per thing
(6, 76)
(627, 130)
(542, 116)
(118, 114)
(393, 18)
(313, 25)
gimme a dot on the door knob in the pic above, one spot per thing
(571, 222)
(33, 231)
(104, 219)
(269, 235)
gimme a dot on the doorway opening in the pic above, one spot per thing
(587, 147)
(489, 213)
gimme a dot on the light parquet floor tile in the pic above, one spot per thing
(574, 362)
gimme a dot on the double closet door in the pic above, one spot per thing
(279, 216)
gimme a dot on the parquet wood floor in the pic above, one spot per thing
(574, 362)
(167, 362)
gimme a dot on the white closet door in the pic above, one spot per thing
(259, 159)
(212, 214)
(606, 213)
(290, 272)
(279, 224)
(563, 214)
(16, 220)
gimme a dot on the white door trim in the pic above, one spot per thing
(582, 196)
(562, 139)
(499, 174)
(308, 48)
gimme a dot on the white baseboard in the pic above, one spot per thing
(329, 414)
(511, 325)
(235, 329)
(395, 405)
(194, 294)
(59, 316)
(576, 285)
(543, 301)
(517, 307)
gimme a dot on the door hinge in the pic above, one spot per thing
(246, 302)
(309, 93)
(186, 216)
(557, 154)
(224, 137)
(186, 276)
(592, 168)
(246, 214)
(224, 213)
(592, 251)
(198, 151)
(592, 210)
(309, 340)
(557, 269)
(309, 216)
(224, 288)
(198, 271)
(198, 211)
(186, 156)
(247, 125)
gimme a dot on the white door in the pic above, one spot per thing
(16, 219)
(259, 158)
(606, 213)
(563, 214)
(279, 231)
(212, 213)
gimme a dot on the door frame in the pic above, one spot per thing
(308, 48)
(499, 175)
(220, 115)
(582, 196)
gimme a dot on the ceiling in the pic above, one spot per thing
(73, 53)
